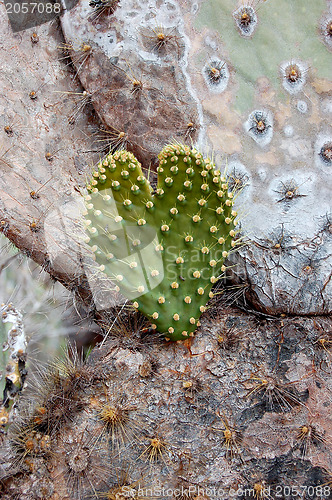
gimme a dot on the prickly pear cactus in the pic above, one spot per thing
(182, 233)
(243, 409)
(254, 81)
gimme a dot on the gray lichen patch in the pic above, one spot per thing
(216, 75)
(259, 126)
(293, 75)
(323, 151)
(246, 19)
(325, 28)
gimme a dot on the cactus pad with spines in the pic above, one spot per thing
(165, 250)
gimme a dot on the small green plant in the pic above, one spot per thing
(165, 249)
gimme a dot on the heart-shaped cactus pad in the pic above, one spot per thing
(164, 249)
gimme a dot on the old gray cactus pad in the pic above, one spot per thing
(239, 406)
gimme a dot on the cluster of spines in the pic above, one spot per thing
(39, 436)
(189, 219)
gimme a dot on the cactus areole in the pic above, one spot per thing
(164, 249)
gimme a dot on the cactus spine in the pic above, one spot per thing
(165, 250)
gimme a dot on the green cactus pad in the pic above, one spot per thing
(165, 250)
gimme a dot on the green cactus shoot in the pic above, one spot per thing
(164, 249)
